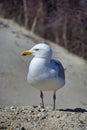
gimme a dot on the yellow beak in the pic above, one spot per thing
(26, 52)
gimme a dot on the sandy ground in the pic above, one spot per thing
(33, 118)
(14, 89)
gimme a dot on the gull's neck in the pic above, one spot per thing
(38, 65)
(40, 61)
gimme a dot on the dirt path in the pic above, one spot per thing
(14, 89)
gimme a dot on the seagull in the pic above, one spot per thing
(45, 73)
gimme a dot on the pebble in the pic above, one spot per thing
(12, 107)
(10, 129)
(41, 109)
(41, 116)
(17, 128)
(34, 106)
(23, 128)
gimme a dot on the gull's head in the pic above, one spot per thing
(41, 50)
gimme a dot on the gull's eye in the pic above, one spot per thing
(36, 49)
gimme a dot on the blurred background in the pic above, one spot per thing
(62, 24)
(61, 21)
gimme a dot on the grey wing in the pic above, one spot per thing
(59, 66)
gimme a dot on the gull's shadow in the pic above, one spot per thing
(77, 110)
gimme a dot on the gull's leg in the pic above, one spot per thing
(41, 96)
(54, 99)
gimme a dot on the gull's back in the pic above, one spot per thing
(55, 64)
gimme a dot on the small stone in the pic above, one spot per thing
(31, 111)
(23, 128)
(17, 127)
(58, 116)
(41, 116)
(11, 107)
(10, 129)
(41, 108)
(34, 106)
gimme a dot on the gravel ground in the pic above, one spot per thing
(37, 118)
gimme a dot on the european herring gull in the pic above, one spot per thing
(44, 72)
